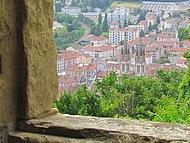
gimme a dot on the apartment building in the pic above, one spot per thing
(120, 15)
(67, 61)
(71, 10)
(103, 51)
(144, 25)
(116, 35)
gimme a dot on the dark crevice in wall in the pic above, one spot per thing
(1, 70)
(22, 95)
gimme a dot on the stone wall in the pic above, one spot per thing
(11, 64)
(28, 79)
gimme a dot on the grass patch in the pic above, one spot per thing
(125, 4)
(105, 34)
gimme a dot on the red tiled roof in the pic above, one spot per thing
(114, 23)
(181, 61)
(79, 68)
(102, 74)
(177, 49)
(162, 36)
(87, 55)
(186, 42)
(69, 56)
(98, 38)
(68, 79)
(143, 22)
(100, 48)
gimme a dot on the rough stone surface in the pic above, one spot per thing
(11, 51)
(28, 80)
(107, 129)
(24, 137)
(40, 51)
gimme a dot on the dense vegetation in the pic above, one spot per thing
(163, 98)
(95, 28)
(71, 32)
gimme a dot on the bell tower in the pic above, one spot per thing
(140, 63)
(125, 53)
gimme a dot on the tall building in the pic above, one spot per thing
(116, 35)
(125, 59)
(140, 63)
(120, 15)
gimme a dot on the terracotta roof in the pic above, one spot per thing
(162, 36)
(143, 22)
(152, 68)
(186, 42)
(163, 43)
(101, 48)
(117, 29)
(65, 51)
(148, 55)
(114, 23)
(123, 29)
(153, 48)
(69, 56)
(78, 68)
(87, 55)
(68, 79)
(181, 61)
(98, 38)
(177, 49)
(101, 74)
(112, 66)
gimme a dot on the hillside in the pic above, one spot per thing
(125, 4)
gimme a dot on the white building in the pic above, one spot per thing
(99, 40)
(138, 27)
(57, 25)
(104, 51)
(117, 34)
(120, 15)
(71, 10)
(93, 15)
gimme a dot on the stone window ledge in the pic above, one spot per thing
(74, 128)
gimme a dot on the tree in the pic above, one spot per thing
(186, 33)
(158, 20)
(130, 23)
(125, 23)
(150, 26)
(155, 27)
(176, 15)
(100, 18)
(105, 24)
(80, 17)
(141, 33)
(180, 31)
(58, 7)
(141, 17)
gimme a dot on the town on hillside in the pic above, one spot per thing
(139, 41)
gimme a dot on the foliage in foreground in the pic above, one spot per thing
(155, 99)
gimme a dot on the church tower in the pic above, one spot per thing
(140, 63)
(125, 53)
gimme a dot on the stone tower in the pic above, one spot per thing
(125, 59)
(140, 63)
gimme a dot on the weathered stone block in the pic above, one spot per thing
(107, 130)
(40, 52)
